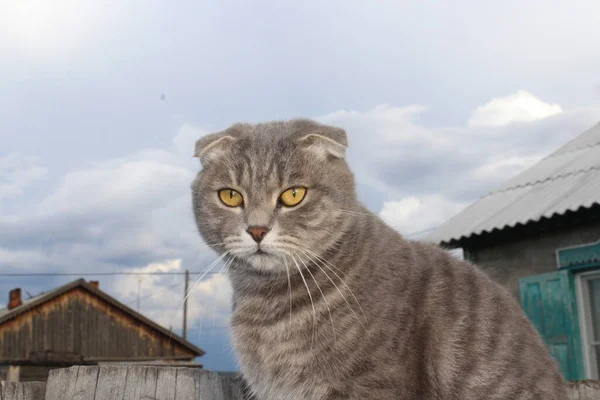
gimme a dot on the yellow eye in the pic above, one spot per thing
(231, 198)
(293, 197)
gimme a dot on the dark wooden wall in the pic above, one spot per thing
(78, 324)
(33, 373)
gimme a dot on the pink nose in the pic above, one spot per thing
(257, 232)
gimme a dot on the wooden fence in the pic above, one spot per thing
(126, 383)
(584, 390)
(22, 391)
(162, 383)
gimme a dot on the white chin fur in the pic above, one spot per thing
(266, 262)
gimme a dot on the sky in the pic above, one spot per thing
(101, 104)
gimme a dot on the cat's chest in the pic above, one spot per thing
(283, 342)
(280, 359)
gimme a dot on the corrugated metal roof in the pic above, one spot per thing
(566, 180)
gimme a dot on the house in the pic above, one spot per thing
(78, 324)
(539, 235)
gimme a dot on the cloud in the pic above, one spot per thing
(110, 105)
(518, 107)
(21, 260)
(137, 209)
(16, 173)
(414, 215)
(425, 175)
(127, 213)
(38, 28)
(506, 167)
(118, 189)
(134, 213)
(185, 141)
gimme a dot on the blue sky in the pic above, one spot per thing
(441, 104)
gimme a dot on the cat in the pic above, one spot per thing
(329, 302)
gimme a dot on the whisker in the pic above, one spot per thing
(196, 280)
(200, 327)
(223, 268)
(211, 245)
(322, 295)
(325, 262)
(205, 272)
(230, 264)
(336, 286)
(197, 247)
(311, 300)
(287, 270)
(296, 246)
(354, 212)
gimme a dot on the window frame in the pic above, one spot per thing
(585, 321)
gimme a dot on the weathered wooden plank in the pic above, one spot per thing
(103, 336)
(34, 390)
(165, 384)
(186, 385)
(232, 388)
(61, 383)
(111, 383)
(87, 378)
(36, 338)
(584, 390)
(148, 389)
(89, 319)
(69, 332)
(12, 390)
(22, 390)
(77, 328)
(26, 339)
(209, 386)
(139, 383)
(54, 332)
(133, 385)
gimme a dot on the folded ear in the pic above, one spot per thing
(211, 147)
(323, 140)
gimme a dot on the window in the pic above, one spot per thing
(589, 290)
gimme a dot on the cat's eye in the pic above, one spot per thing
(231, 198)
(293, 196)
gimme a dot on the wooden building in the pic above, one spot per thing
(79, 324)
(539, 235)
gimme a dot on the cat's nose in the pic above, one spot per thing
(257, 232)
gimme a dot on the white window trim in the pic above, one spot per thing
(585, 324)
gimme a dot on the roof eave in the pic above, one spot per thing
(588, 214)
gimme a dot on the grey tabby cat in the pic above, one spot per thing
(331, 303)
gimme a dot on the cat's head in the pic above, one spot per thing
(273, 194)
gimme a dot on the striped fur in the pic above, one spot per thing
(343, 307)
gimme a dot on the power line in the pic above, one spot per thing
(412, 234)
(19, 274)
(121, 273)
(162, 290)
(209, 328)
